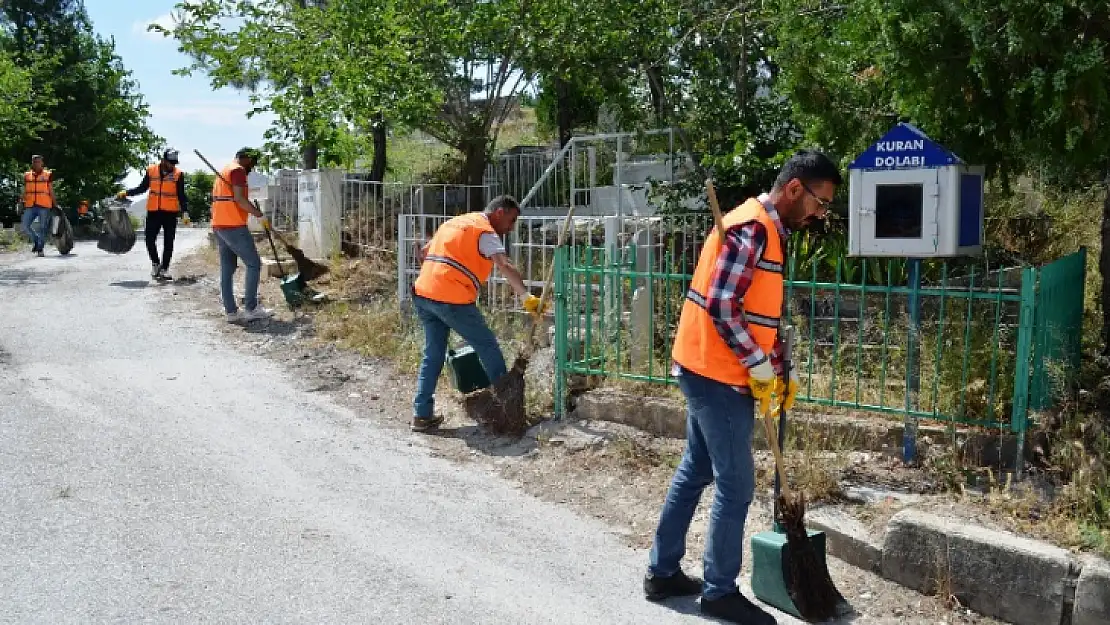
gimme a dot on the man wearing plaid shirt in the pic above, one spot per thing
(727, 359)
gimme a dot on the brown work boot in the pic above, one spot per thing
(422, 424)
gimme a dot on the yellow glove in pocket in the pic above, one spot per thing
(761, 381)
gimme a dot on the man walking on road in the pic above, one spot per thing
(166, 200)
(454, 265)
(230, 208)
(38, 199)
(728, 359)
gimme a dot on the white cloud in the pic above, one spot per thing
(165, 21)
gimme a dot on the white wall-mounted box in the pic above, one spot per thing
(910, 197)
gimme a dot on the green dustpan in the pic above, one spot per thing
(292, 287)
(771, 550)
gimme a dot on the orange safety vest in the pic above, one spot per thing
(36, 189)
(454, 269)
(163, 189)
(697, 345)
(226, 212)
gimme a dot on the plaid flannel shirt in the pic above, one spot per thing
(744, 247)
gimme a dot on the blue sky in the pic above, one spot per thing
(185, 111)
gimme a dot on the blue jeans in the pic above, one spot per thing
(438, 320)
(719, 422)
(236, 243)
(38, 238)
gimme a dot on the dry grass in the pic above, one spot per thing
(375, 329)
(10, 240)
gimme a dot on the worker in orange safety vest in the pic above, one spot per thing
(231, 208)
(165, 201)
(728, 360)
(454, 265)
(38, 199)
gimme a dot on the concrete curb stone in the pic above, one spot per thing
(994, 573)
(1092, 593)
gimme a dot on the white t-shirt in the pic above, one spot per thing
(490, 244)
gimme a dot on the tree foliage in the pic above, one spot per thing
(198, 190)
(71, 101)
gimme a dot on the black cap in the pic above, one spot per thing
(250, 153)
(170, 155)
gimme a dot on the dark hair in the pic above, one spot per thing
(503, 201)
(248, 152)
(809, 166)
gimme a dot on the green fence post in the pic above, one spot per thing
(561, 342)
(1019, 416)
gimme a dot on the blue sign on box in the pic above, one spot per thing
(904, 147)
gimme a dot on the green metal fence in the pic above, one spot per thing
(951, 341)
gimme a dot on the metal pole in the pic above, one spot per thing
(913, 377)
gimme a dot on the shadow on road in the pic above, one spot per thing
(481, 440)
(275, 327)
(131, 284)
(21, 277)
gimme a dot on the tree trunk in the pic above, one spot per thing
(1104, 270)
(377, 131)
(474, 173)
(655, 84)
(311, 152)
(563, 111)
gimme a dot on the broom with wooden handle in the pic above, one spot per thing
(307, 268)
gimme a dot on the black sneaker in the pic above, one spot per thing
(40, 253)
(155, 270)
(164, 275)
(423, 425)
(677, 585)
(736, 608)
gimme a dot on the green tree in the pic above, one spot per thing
(1018, 85)
(198, 190)
(588, 53)
(92, 120)
(20, 122)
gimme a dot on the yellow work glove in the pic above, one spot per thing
(788, 393)
(761, 381)
(185, 220)
(532, 305)
(265, 223)
(122, 195)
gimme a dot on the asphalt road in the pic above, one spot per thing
(150, 473)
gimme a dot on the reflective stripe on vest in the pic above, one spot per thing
(698, 346)
(453, 269)
(163, 189)
(36, 189)
(226, 212)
